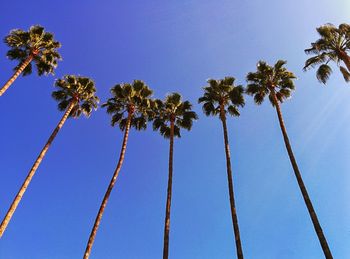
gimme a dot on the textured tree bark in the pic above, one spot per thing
(230, 187)
(16, 74)
(317, 226)
(169, 192)
(109, 189)
(32, 171)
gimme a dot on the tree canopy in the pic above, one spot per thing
(173, 109)
(36, 42)
(333, 45)
(269, 80)
(77, 89)
(134, 99)
(222, 94)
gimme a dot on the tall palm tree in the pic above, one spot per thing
(333, 45)
(35, 45)
(220, 98)
(171, 115)
(277, 82)
(130, 106)
(75, 96)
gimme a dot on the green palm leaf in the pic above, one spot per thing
(323, 73)
(345, 73)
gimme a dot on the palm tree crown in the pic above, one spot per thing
(36, 43)
(130, 99)
(270, 80)
(222, 95)
(333, 45)
(77, 89)
(173, 109)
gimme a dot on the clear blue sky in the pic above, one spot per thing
(175, 46)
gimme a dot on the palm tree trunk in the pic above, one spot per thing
(230, 188)
(169, 192)
(16, 74)
(32, 171)
(317, 226)
(109, 190)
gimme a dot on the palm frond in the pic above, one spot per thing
(62, 106)
(252, 88)
(323, 73)
(122, 124)
(17, 38)
(236, 96)
(314, 61)
(17, 53)
(116, 117)
(27, 70)
(139, 123)
(345, 73)
(259, 98)
(279, 65)
(209, 108)
(177, 132)
(233, 110)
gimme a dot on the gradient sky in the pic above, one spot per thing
(175, 46)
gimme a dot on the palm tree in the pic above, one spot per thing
(34, 45)
(171, 115)
(130, 106)
(277, 83)
(75, 96)
(220, 98)
(333, 45)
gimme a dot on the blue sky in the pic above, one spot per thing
(176, 46)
